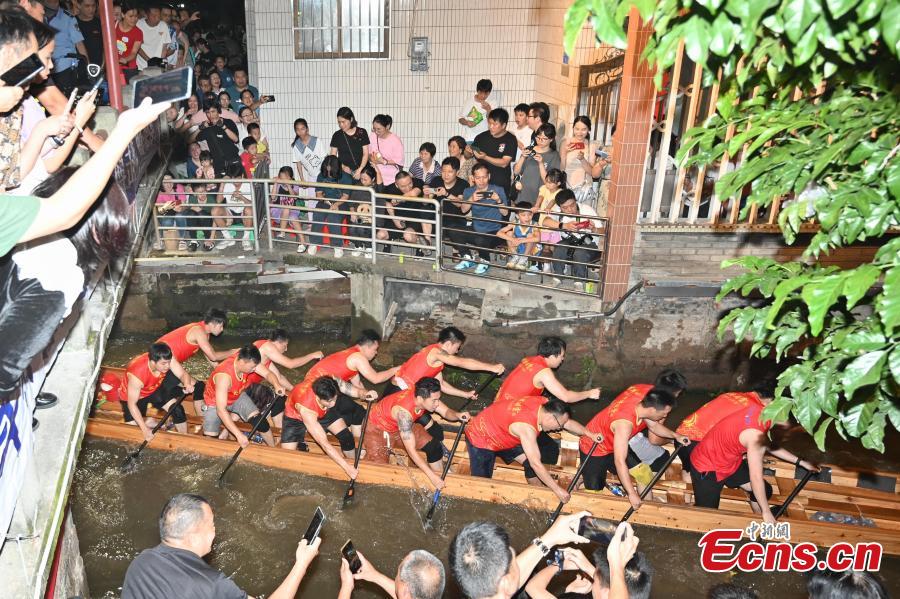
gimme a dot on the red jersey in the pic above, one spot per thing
(417, 367)
(303, 395)
(382, 416)
(721, 450)
(182, 349)
(255, 378)
(334, 365)
(520, 382)
(698, 424)
(490, 429)
(238, 382)
(139, 367)
(622, 408)
(125, 42)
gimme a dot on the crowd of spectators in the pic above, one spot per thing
(483, 564)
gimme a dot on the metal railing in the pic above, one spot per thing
(332, 220)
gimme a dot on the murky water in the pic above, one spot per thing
(261, 514)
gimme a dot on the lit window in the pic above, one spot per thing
(341, 28)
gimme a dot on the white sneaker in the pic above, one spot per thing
(579, 286)
(246, 245)
(224, 244)
(338, 253)
(356, 253)
(313, 250)
(554, 282)
(301, 248)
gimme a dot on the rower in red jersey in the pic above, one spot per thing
(396, 420)
(535, 375)
(142, 384)
(509, 429)
(225, 394)
(349, 365)
(636, 408)
(272, 351)
(188, 339)
(312, 407)
(430, 362)
(731, 454)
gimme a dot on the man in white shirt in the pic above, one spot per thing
(473, 116)
(520, 127)
(157, 39)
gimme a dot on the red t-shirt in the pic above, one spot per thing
(247, 162)
(125, 41)
(382, 413)
(520, 382)
(139, 367)
(697, 425)
(334, 365)
(238, 382)
(490, 429)
(622, 408)
(303, 395)
(721, 450)
(417, 367)
(182, 349)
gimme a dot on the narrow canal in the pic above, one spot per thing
(261, 514)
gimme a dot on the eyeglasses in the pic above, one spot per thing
(558, 423)
(542, 138)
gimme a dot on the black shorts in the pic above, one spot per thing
(157, 399)
(708, 490)
(349, 410)
(596, 468)
(294, 430)
(684, 452)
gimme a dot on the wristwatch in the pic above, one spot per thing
(537, 542)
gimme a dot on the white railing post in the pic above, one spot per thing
(268, 215)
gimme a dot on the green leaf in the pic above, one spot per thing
(857, 417)
(722, 40)
(873, 438)
(858, 283)
(605, 25)
(893, 179)
(869, 9)
(710, 5)
(890, 30)
(782, 292)
(893, 412)
(820, 295)
(777, 411)
(863, 371)
(573, 23)
(799, 15)
(806, 46)
(839, 8)
(645, 8)
(894, 364)
(806, 409)
(856, 341)
(821, 432)
(888, 303)
(696, 39)
(742, 322)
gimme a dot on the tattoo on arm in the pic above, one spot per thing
(405, 424)
(345, 387)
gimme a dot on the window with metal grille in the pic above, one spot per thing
(341, 28)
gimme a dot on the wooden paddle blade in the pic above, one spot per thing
(434, 504)
(350, 494)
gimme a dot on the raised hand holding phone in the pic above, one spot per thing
(315, 526)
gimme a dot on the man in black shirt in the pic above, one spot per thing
(221, 137)
(497, 148)
(175, 567)
(89, 24)
(449, 192)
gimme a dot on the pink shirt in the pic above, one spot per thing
(391, 149)
(179, 197)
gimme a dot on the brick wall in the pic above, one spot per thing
(696, 257)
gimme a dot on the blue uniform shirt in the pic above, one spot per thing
(68, 34)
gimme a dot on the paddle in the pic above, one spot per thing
(351, 490)
(158, 426)
(654, 480)
(260, 420)
(572, 484)
(437, 492)
(794, 492)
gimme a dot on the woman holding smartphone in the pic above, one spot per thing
(580, 161)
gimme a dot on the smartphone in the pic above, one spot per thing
(578, 145)
(602, 154)
(315, 526)
(597, 530)
(171, 86)
(271, 97)
(349, 553)
(475, 148)
(21, 74)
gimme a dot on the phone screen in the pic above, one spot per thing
(23, 72)
(171, 86)
(315, 526)
(595, 529)
(578, 145)
(349, 553)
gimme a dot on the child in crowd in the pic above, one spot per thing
(237, 199)
(521, 129)
(554, 182)
(285, 197)
(425, 167)
(520, 237)
(262, 144)
(249, 157)
(171, 223)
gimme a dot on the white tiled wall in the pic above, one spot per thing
(515, 43)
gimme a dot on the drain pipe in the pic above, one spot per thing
(576, 316)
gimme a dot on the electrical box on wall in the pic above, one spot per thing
(418, 54)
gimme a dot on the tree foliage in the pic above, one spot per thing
(832, 155)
